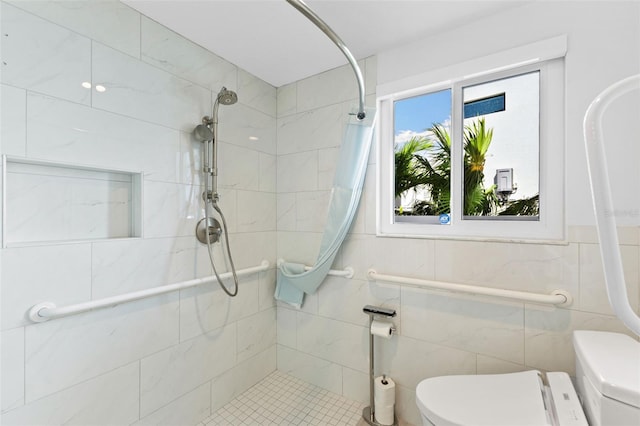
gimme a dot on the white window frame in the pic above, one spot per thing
(546, 56)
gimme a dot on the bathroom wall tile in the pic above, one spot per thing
(12, 369)
(371, 74)
(470, 323)
(344, 298)
(111, 398)
(238, 167)
(490, 365)
(267, 289)
(142, 91)
(256, 334)
(158, 261)
(62, 276)
(313, 93)
(233, 382)
(80, 205)
(177, 370)
(244, 126)
(256, 93)
(298, 172)
(627, 235)
(335, 341)
(316, 371)
(189, 409)
(593, 292)
(171, 209)
(175, 54)
(13, 132)
(70, 133)
(44, 57)
(548, 339)
(287, 322)
(286, 209)
(268, 164)
(256, 211)
(96, 342)
(315, 129)
(409, 361)
(287, 99)
(95, 20)
(525, 267)
(327, 161)
(309, 304)
(251, 248)
(311, 210)
(355, 385)
(389, 256)
(207, 307)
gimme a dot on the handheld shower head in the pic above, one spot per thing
(202, 133)
(227, 97)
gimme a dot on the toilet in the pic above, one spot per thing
(607, 377)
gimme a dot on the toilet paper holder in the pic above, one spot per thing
(368, 413)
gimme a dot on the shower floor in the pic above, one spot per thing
(281, 399)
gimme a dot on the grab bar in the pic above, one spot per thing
(313, 17)
(347, 272)
(47, 310)
(557, 297)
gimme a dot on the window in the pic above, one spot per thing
(478, 156)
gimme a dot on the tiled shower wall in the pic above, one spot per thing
(170, 359)
(326, 342)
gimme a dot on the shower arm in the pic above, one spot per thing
(311, 15)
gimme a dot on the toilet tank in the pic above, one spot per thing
(608, 377)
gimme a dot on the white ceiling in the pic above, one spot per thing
(272, 40)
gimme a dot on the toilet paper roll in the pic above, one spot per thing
(381, 328)
(384, 391)
(384, 414)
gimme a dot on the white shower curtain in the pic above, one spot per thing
(293, 281)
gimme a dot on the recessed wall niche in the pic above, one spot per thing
(54, 202)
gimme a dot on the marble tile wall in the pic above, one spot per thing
(326, 342)
(171, 359)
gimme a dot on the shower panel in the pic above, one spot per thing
(209, 230)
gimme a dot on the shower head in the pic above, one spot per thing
(227, 97)
(202, 133)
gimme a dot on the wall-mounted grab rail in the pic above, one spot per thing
(318, 22)
(557, 297)
(48, 310)
(347, 272)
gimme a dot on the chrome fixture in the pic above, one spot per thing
(209, 230)
(311, 15)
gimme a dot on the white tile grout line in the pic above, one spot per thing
(280, 399)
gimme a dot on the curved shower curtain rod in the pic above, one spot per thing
(311, 15)
(603, 202)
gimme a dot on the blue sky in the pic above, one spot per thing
(414, 115)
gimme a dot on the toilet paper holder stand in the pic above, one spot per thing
(368, 413)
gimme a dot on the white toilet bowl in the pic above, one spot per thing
(608, 376)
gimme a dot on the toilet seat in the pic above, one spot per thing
(494, 400)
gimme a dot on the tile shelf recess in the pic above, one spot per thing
(45, 202)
